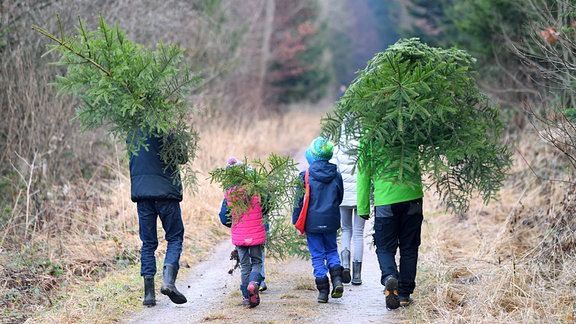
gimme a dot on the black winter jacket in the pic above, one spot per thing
(148, 177)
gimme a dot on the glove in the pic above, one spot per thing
(364, 217)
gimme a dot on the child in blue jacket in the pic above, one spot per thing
(323, 217)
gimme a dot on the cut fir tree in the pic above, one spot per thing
(419, 111)
(130, 90)
(275, 183)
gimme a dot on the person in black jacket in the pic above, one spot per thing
(323, 217)
(157, 193)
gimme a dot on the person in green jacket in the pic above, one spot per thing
(397, 225)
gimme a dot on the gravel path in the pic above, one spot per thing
(213, 294)
(205, 286)
(291, 298)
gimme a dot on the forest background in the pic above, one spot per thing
(271, 67)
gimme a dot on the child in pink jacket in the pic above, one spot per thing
(248, 235)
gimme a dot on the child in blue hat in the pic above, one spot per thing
(326, 192)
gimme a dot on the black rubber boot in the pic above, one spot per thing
(168, 288)
(149, 293)
(345, 256)
(337, 286)
(323, 286)
(356, 270)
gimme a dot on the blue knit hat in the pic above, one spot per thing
(321, 149)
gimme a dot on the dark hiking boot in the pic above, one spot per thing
(336, 277)
(323, 286)
(356, 270)
(254, 288)
(405, 301)
(391, 292)
(168, 287)
(345, 256)
(149, 293)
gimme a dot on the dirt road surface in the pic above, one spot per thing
(213, 294)
(291, 298)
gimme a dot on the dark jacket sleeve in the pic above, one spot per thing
(265, 211)
(224, 212)
(299, 199)
(341, 191)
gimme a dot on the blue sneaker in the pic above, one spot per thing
(263, 286)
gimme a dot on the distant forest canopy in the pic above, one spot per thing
(369, 27)
(524, 48)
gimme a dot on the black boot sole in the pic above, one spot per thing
(346, 276)
(175, 296)
(392, 299)
(149, 303)
(337, 291)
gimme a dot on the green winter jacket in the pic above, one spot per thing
(386, 191)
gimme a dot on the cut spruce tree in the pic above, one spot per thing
(275, 182)
(130, 90)
(420, 112)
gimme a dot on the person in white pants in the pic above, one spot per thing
(352, 224)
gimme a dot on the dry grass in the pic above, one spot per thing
(93, 297)
(500, 263)
(493, 265)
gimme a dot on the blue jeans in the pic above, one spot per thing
(171, 218)
(250, 261)
(323, 248)
(398, 226)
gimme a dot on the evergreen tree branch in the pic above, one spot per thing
(62, 42)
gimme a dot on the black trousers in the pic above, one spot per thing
(398, 226)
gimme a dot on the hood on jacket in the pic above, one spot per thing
(323, 171)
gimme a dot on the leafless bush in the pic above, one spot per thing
(549, 56)
(46, 155)
(53, 178)
(41, 142)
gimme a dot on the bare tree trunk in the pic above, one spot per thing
(266, 36)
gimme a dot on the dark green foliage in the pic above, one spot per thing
(275, 182)
(125, 88)
(481, 27)
(420, 110)
(428, 21)
(298, 70)
(386, 12)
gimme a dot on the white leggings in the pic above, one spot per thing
(352, 228)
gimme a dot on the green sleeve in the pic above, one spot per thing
(363, 188)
